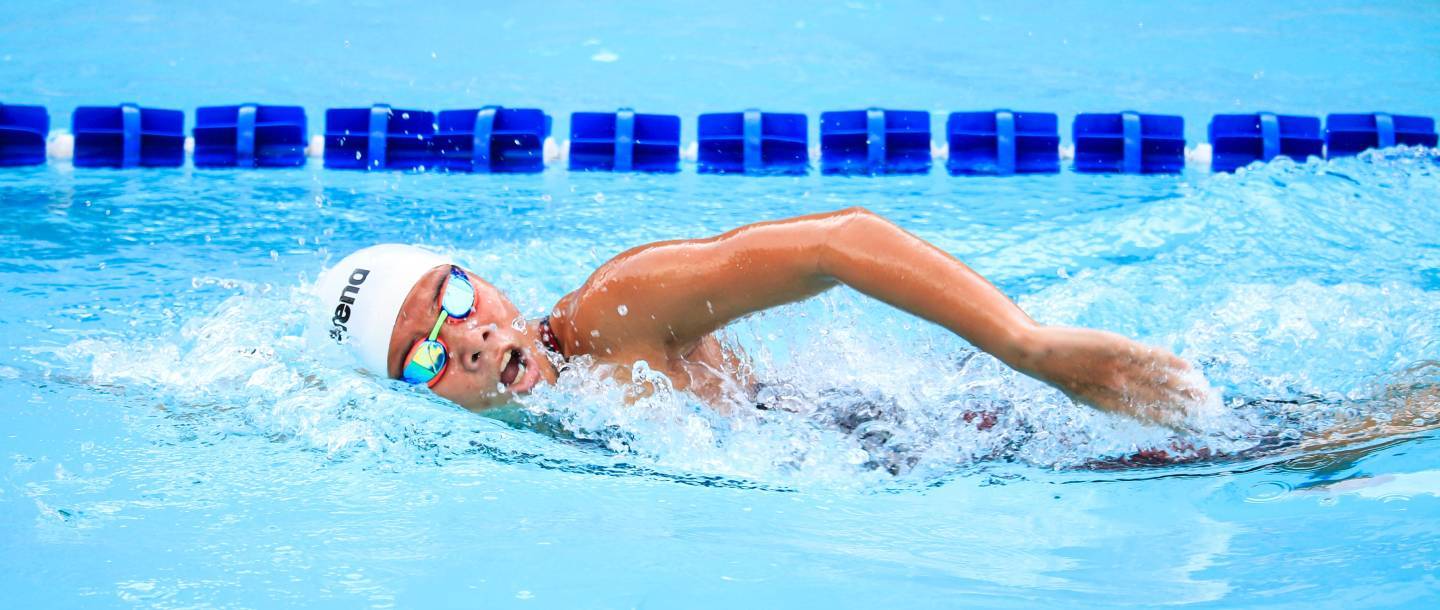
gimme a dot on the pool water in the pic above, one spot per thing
(175, 432)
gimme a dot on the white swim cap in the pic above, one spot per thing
(362, 295)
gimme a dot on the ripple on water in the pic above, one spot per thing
(1267, 491)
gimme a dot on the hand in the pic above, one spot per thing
(1115, 374)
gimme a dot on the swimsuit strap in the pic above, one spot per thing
(547, 337)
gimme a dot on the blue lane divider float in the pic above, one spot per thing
(1350, 134)
(624, 141)
(1002, 143)
(492, 139)
(249, 135)
(752, 142)
(1238, 140)
(378, 137)
(128, 136)
(23, 130)
(1129, 143)
(875, 141)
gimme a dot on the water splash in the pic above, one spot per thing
(1300, 316)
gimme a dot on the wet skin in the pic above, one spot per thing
(478, 346)
(662, 302)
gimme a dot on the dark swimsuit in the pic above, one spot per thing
(547, 337)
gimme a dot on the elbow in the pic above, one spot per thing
(827, 245)
(857, 222)
(843, 230)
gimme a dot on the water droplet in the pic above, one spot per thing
(623, 310)
(518, 323)
(594, 333)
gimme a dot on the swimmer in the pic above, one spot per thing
(413, 315)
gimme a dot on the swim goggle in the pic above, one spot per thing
(427, 358)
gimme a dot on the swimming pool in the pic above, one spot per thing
(174, 435)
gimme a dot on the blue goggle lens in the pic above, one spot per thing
(459, 296)
(425, 362)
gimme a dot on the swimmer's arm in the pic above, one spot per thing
(1098, 368)
(672, 294)
(679, 291)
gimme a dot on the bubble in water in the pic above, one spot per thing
(623, 310)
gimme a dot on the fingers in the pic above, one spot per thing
(1169, 359)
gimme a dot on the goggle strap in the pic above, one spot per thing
(439, 322)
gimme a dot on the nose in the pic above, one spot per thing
(475, 347)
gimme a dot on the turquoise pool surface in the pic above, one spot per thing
(175, 434)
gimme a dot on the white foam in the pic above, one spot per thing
(60, 146)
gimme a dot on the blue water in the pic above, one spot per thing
(174, 434)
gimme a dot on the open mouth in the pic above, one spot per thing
(513, 367)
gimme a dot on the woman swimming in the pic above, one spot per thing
(413, 315)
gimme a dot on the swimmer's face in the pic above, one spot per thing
(485, 350)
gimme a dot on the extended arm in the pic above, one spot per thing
(674, 293)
